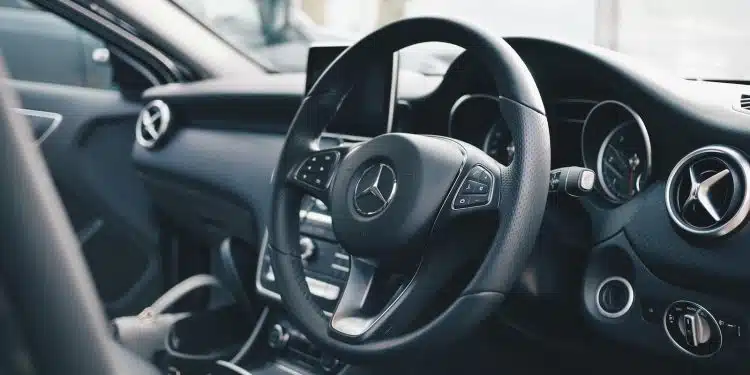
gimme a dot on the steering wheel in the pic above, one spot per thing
(400, 205)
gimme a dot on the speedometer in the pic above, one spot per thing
(615, 142)
(622, 162)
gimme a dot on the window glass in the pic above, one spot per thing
(693, 38)
(39, 46)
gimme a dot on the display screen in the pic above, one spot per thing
(367, 109)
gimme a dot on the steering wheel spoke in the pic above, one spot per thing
(377, 301)
(315, 172)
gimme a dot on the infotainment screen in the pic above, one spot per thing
(367, 110)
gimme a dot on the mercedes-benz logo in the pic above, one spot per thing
(153, 123)
(375, 190)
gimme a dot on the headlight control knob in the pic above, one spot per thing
(692, 329)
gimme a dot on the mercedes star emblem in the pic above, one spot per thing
(375, 190)
(152, 123)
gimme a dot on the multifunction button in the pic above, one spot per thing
(473, 187)
(475, 190)
(479, 174)
(317, 169)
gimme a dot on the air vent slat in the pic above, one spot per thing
(152, 124)
(707, 191)
(744, 105)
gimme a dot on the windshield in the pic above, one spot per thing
(694, 38)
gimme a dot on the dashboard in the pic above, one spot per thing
(658, 248)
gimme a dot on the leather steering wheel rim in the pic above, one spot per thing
(521, 187)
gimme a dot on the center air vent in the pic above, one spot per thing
(744, 104)
(707, 191)
(152, 124)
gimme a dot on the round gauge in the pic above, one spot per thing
(499, 144)
(622, 163)
(476, 119)
(615, 143)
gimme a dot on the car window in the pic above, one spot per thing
(39, 46)
(237, 21)
(695, 38)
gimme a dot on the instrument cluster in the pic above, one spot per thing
(476, 119)
(616, 144)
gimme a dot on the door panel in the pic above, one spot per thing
(88, 153)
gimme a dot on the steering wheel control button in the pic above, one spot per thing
(473, 187)
(692, 329)
(317, 169)
(475, 190)
(479, 174)
(614, 297)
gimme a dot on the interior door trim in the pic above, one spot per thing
(55, 117)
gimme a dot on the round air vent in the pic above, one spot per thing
(153, 123)
(708, 191)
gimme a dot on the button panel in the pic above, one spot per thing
(475, 190)
(317, 169)
(473, 187)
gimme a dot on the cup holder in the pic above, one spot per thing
(614, 297)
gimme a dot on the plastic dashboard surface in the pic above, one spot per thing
(228, 136)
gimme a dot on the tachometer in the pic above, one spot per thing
(622, 162)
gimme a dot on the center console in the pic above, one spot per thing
(326, 267)
(326, 263)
